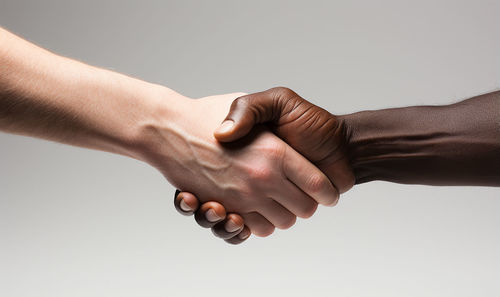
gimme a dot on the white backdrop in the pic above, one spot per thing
(75, 222)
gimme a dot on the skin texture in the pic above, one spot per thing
(312, 131)
(260, 177)
(457, 144)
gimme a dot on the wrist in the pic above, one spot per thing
(357, 145)
(163, 110)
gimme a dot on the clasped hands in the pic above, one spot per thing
(274, 158)
(246, 163)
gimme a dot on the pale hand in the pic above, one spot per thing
(259, 177)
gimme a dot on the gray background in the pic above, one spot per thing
(75, 222)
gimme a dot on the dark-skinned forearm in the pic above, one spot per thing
(456, 144)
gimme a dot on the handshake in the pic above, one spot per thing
(246, 163)
(274, 158)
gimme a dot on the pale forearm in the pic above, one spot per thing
(48, 96)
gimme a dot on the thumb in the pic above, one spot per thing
(245, 112)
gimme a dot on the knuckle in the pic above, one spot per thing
(317, 183)
(283, 92)
(260, 172)
(273, 149)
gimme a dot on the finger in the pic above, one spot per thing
(278, 215)
(340, 173)
(242, 236)
(185, 203)
(309, 178)
(209, 214)
(245, 112)
(258, 224)
(230, 227)
(295, 200)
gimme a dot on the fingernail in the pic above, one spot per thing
(212, 216)
(225, 127)
(244, 234)
(231, 226)
(184, 206)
